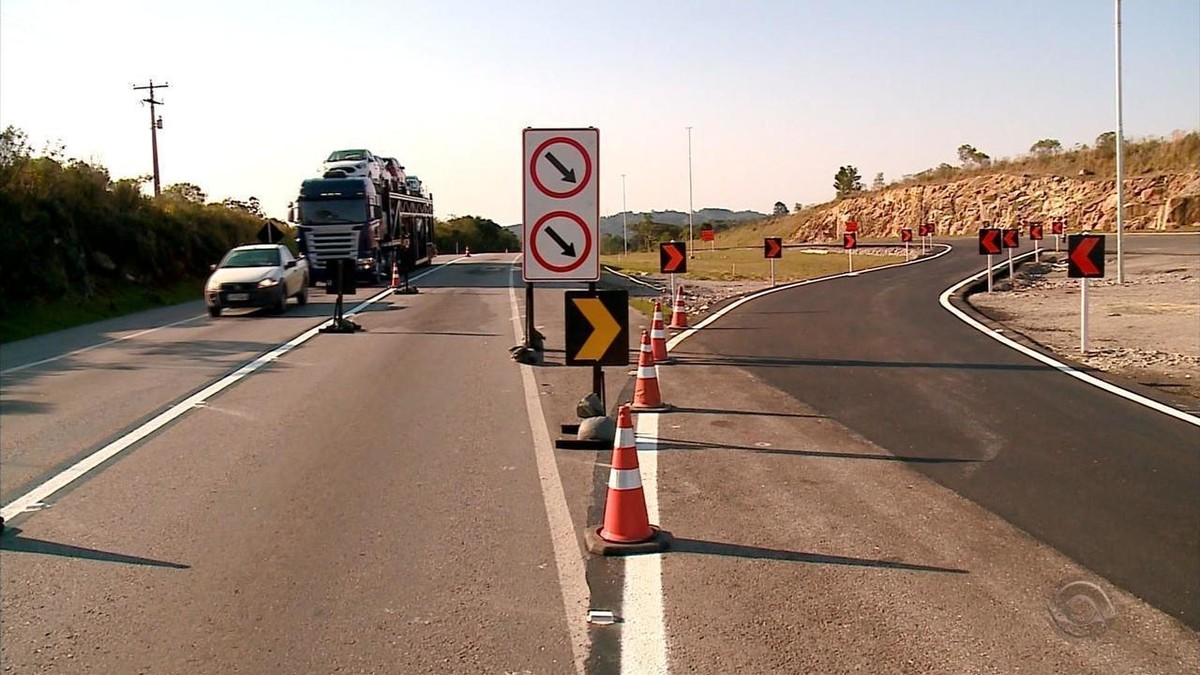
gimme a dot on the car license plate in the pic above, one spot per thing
(239, 297)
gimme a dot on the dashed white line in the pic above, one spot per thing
(41, 493)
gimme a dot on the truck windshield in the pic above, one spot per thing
(333, 211)
(252, 257)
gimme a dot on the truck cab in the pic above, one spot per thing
(339, 218)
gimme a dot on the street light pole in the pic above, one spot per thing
(691, 211)
(155, 125)
(624, 220)
(1120, 156)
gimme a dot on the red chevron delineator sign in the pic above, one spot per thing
(772, 247)
(672, 257)
(849, 241)
(989, 241)
(1035, 231)
(906, 235)
(1011, 238)
(1057, 227)
(925, 230)
(1085, 256)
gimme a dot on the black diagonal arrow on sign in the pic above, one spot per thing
(567, 249)
(568, 175)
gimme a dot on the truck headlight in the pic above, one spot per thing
(268, 282)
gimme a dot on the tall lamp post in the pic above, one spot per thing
(624, 221)
(1120, 156)
(691, 211)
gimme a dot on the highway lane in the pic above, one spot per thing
(367, 503)
(62, 395)
(1109, 483)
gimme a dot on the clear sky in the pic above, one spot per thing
(779, 94)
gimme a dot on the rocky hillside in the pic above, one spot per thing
(1162, 202)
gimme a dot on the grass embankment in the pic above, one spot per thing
(749, 265)
(46, 317)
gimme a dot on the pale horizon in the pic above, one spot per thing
(778, 94)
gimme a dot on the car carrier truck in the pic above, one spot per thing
(350, 218)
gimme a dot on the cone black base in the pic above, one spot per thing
(658, 543)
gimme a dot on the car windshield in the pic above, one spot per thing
(252, 257)
(333, 211)
(347, 155)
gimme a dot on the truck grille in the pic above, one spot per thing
(327, 242)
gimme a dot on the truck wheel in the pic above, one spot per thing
(302, 296)
(214, 311)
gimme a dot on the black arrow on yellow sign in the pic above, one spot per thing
(597, 328)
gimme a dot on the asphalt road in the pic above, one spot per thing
(367, 503)
(1111, 484)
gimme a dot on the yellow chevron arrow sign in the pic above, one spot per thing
(597, 328)
(604, 329)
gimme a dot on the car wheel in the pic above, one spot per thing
(302, 296)
(281, 303)
(214, 311)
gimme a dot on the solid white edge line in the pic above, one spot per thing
(643, 621)
(944, 299)
(572, 577)
(87, 464)
(81, 350)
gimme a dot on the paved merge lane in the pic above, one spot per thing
(367, 503)
(1110, 483)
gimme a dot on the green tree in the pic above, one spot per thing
(796, 207)
(878, 183)
(480, 234)
(1107, 142)
(187, 191)
(781, 209)
(970, 157)
(847, 181)
(1046, 146)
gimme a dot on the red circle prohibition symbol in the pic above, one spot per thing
(575, 264)
(587, 168)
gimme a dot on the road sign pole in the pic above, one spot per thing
(529, 328)
(1010, 266)
(672, 285)
(989, 271)
(1083, 315)
(1037, 250)
(906, 250)
(1056, 243)
(772, 271)
(850, 256)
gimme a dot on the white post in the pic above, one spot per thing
(1010, 268)
(1120, 157)
(1083, 315)
(672, 285)
(850, 255)
(906, 250)
(1056, 243)
(989, 271)
(624, 220)
(772, 271)
(691, 236)
(1037, 250)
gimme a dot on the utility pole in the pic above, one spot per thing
(624, 220)
(1120, 156)
(155, 125)
(691, 211)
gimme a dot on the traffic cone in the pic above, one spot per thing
(658, 337)
(679, 315)
(626, 527)
(395, 276)
(468, 251)
(646, 395)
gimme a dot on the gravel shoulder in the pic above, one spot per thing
(1146, 330)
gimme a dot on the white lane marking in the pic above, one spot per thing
(572, 577)
(944, 299)
(87, 464)
(643, 622)
(675, 341)
(89, 348)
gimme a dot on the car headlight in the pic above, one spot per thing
(268, 282)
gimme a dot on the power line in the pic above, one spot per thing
(155, 125)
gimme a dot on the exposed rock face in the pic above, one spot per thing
(1164, 202)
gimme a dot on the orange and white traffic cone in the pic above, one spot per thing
(658, 337)
(646, 395)
(626, 527)
(395, 276)
(679, 315)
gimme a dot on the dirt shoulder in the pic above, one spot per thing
(1146, 330)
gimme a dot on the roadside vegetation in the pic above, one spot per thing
(481, 235)
(80, 246)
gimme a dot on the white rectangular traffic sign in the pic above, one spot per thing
(561, 169)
